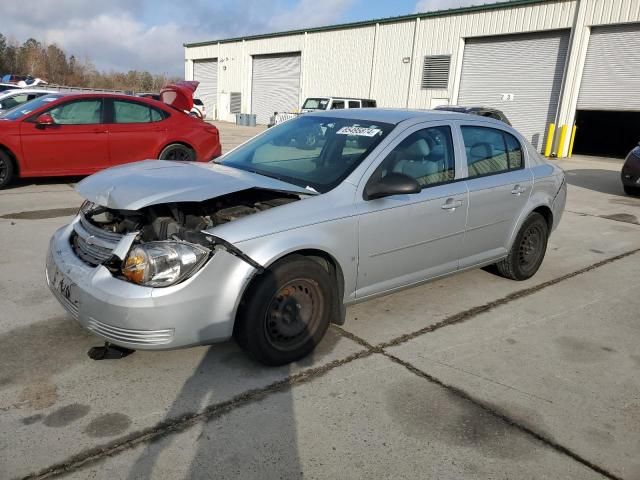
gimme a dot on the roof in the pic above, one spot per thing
(389, 115)
(401, 18)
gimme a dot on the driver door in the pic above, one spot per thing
(76, 144)
(406, 239)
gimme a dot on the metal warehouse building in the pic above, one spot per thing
(561, 62)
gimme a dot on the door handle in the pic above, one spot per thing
(451, 204)
(518, 190)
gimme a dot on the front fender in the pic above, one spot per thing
(337, 238)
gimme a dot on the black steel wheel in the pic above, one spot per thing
(177, 152)
(7, 170)
(286, 311)
(528, 250)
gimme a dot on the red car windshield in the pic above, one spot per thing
(29, 107)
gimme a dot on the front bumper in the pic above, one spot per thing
(200, 310)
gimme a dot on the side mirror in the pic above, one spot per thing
(392, 184)
(45, 120)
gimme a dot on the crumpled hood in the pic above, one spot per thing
(151, 182)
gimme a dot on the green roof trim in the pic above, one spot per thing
(364, 23)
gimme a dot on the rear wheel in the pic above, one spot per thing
(7, 170)
(629, 190)
(286, 312)
(527, 251)
(179, 152)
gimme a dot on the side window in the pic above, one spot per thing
(79, 112)
(426, 155)
(337, 105)
(354, 104)
(133, 112)
(490, 151)
(15, 100)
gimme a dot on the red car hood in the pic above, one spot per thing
(179, 95)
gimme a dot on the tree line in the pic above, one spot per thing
(49, 62)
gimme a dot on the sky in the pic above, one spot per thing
(124, 35)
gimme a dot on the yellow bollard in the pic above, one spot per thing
(552, 130)
(573, 137)
(563, 137)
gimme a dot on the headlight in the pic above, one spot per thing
(160, 264)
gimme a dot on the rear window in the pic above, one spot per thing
(133, 112)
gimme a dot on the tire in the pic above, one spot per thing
(633, 191)
(195, 114)
(528, 250)
(177, 152)
(7, 169)
(286, 311)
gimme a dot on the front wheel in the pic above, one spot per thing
(177, 152)
(527, 251)
(286, 311)
(6, 169)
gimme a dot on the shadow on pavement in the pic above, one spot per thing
(598, 180)
(212, 458)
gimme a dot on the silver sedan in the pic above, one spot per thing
(273, 240)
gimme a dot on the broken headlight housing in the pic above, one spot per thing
(165, 263)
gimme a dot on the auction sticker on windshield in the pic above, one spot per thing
(359, 131)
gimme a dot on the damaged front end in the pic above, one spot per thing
(162, 245)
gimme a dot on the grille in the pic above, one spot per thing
(92, 244)
(126, 335)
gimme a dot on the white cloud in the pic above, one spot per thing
(431, 5)
(148, 34)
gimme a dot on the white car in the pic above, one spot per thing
(198, 109)
(12, 98)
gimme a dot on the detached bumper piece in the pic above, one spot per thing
(109, 352)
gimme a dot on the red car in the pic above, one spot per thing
(79, 134)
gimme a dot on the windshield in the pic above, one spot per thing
(312, 152)
(316, 104)
(28, 107)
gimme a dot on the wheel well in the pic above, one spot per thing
(13, 158)
(330, 265)
(547, 214)
(185, 144)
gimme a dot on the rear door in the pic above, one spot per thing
(499, 186)
(136, 130)
(76, 144)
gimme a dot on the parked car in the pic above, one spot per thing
(12, 98)
(323, 103)
(269, 243)
(198, 110)
(23, 80)
(631, 172)
(79, 134)
(481, 111)
(8, 86)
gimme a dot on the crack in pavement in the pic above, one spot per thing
(248, 397)
(181, 423)
(621, 218)
(460, 393)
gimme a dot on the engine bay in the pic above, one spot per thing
(185, 221)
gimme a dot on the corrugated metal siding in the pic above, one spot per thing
(206, 72)
(611, 75)
(338, 63)
(604, 12)
(390, 78)
(276, 85)
(441, 36)
(528, 66)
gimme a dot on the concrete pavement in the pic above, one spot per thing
(472, 376)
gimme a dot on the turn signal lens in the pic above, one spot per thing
(161, 264)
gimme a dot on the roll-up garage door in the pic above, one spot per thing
(611, 75)
(518, 74)
(206, 72)
(275, 85)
